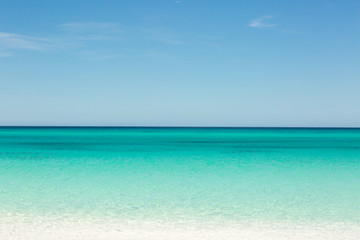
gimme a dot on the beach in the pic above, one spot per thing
(49, 229)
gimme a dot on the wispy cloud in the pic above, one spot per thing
(262, 22)
(83, 38)
(72, 35)
(17, 41)
(5, 54)
(93, 30)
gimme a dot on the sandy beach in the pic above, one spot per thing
(24, 228)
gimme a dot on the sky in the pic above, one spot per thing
(180, 63)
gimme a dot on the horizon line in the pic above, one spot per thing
(172, 126)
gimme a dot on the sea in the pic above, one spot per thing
(179, 183)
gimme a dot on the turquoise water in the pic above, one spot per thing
(182, 174)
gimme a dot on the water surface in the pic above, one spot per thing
(202, 176)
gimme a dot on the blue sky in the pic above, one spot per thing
(180, 63)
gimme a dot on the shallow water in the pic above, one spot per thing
(231, 178)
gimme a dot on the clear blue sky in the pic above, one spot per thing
(185, 62)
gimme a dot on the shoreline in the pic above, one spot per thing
(47, 228)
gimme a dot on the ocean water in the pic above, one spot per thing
(179, 183)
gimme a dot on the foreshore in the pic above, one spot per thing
(42, 228)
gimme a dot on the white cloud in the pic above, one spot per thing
(17, 41)
(262, 22)
(73, 35)
(5, 54)
(83, 36)
(12, 41)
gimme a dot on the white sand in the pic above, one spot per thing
(38, 228)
